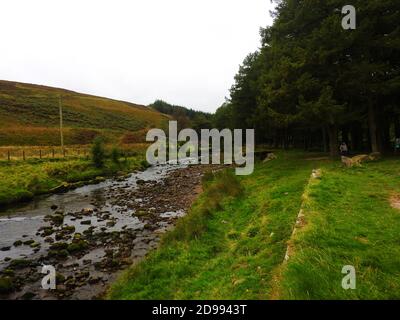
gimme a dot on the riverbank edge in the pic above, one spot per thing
(65, 186)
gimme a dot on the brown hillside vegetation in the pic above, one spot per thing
(29, 115)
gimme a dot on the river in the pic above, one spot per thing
(92, 233)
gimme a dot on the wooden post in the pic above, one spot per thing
(23, 155)
(8, 155)
(52, 152)
(40, 153)
(61, 122)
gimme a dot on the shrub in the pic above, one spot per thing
(115, 155)
(98, 152)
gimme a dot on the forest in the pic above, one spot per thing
(313, 84)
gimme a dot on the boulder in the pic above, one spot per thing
(359, 159)
(375, 156)
(271, 156)
(355, 161)
(17, 243)
(64, 187)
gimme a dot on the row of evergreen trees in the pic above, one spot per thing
(186, 118)
(313, 84)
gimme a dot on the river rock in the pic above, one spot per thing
(35, 245)
(64, 187)
(17, 243)
(28, 242)
(56, 219)
(49, 240)
(94, 280)
(110, 224)
(87, 211)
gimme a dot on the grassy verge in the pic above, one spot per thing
(21, 180)
(349, 221)
(232, 244)
(228, 246)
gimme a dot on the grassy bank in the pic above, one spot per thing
(233, 247)
(21, 180)
(349, 221)
(228, 246)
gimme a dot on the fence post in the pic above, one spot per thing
(52, 152)
(8, 155)
(23, 155)
(40, 153)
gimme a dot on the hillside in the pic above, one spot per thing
(187, 118)
(29, 115)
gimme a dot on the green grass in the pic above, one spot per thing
(235, 249)
(241, 241)
(349, 222)
(22, 180)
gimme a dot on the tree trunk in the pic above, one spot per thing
(385, 137)
(325, 140)
(333, 140)
(345, 135)
(397, 127)
(357, 137)
(373, 128)
(305, 142)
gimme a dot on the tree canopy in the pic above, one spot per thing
(313, 83)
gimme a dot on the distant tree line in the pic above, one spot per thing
(187, 118)
(313, 84)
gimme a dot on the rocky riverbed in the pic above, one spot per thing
(90, 234)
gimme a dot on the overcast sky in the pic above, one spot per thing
(185, 52)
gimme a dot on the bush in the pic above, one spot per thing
(98, 152)
(115, 155)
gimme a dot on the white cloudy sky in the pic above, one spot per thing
(183, 51)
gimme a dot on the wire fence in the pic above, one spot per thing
(50, 152)
(26, 153)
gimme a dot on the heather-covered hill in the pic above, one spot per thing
(29, 115)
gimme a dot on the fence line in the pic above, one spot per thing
(14, 154)
(24, 153)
